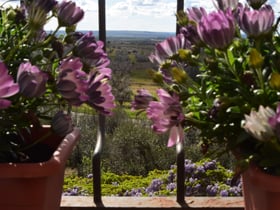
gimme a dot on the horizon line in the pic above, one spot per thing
(121, 30)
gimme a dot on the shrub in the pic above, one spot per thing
(134, 149)
(204, 178)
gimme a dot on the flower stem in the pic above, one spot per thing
(42, 138)
(14, 50)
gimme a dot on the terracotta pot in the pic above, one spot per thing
(261, 191)
(37, 186)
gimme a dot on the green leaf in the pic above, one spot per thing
(230, 55)
(233, 109)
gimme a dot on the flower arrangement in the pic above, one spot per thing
(45, 73)
(221, 75)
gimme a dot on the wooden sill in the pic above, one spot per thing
(213, 203)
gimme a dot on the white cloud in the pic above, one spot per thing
(87, 5)
(150, 15)
(6, 3)
(153, 8)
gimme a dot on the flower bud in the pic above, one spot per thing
(179, 75)
(62, 123)
(184, 54)
(32, 81)
(274, 80)
(255, 58)
(142, 99)
(157, 77)
(69, 14)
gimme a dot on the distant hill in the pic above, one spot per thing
(138, 34)
(133, 34)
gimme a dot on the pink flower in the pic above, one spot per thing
(7, 87)
(195, 14)
(91, 51)
(100, 93)
(256, 22)
(168, 48)
(167, 115)
(72, 81)
(142, 99)
(32, 81)
(217, 29)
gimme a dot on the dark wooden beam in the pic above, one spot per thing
(96, 159)
(180, 7)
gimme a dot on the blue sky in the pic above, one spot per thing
(141, 15)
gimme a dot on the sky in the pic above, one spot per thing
(139, 15)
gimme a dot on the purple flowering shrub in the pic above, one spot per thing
(203, 178)
(46, 73)
(209, 178)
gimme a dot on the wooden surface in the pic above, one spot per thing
(84, 202)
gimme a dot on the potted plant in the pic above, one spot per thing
(221, 75)
(43, 75)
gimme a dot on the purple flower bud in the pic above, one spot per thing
(62, 124)
(72, 81)
(7, 87)
(68, 13)
(217, 29)
(142, 99)
(256, 22)
(32, 81)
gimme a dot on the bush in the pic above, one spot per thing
(203, 178)
(134, 149)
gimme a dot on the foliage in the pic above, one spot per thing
(44, 74)
(134, 149)
(203, 178)
(121, 81)
(160, 157)
(220, 74)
